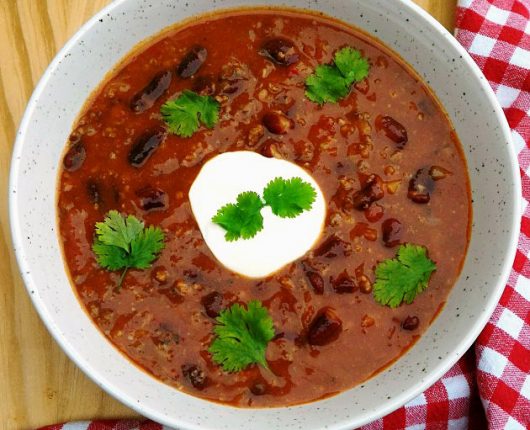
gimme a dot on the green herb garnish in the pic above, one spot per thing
(402, 278)
(287, 198)
(242, 219)
(184, 114)
(331, 82)
(124, 243)
(242, 336)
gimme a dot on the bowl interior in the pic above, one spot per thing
(478, 120)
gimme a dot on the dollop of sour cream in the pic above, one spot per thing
(281, 241)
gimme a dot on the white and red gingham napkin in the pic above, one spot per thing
(490, 386)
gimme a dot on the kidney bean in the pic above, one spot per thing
(145, 145)
(316, 281)
(394, 130)
(437, 173)
(392, 230)
(204, 85)
(369, 193)
(343, 283)
(374, 212)
(270, 149)
(74, 157)
(410, 323)
(93, 189)
(213, 304)
(192, 61)
(277, 122)
(420, 187)
(155, 89)
(332, 247)
(195, 375)
(325, 327)
(152, 199)
(280, 51)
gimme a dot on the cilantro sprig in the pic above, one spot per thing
(331, 82)
(242, 336)
(184, 114)
(402, 278)
(287, 198)
(242, 219)
(123, 242)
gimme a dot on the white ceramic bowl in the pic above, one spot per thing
(422, 42)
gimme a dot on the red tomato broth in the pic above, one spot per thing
(158, 318)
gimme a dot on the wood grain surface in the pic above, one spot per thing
(39, 385)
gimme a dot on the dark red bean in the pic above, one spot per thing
(369, 193)
(332, 247)
(343, 283)
(195, 375)
(93, 189)
(192, 61)
(270, 149)
(420, 187)
(374, 212)
(213, 304)
(152, 199)
(410, 323)
(204, 85)
(277, 122)
(145, 145)
(394, 130)
(74, 157)
(325, 327)
(280, 51)
(155, 89)
(316, 281)
(392, 230)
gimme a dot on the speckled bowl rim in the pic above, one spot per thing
(386, 406)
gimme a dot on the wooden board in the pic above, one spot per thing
(39, 385)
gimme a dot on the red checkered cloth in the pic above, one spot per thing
(490, 386)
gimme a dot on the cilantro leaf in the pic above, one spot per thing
(242, 219)
(288, 198)
(326, 85)
(242, 336)
(352, 65)
(400, 279)
(331, 82)
(184, 114)
(123, 243)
